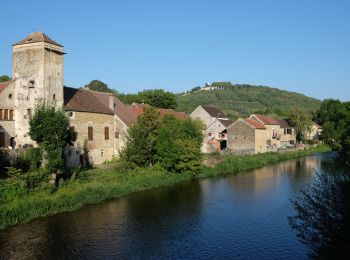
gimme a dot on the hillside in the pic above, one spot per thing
(242, 100)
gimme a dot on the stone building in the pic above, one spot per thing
(100, 119)
(287, 133)
(247, 136)
(315, 132)
(215, 131)
(273, 130)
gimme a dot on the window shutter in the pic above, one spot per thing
(90, 133)
(106, 133)
(11, 114)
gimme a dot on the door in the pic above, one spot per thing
(2, 139)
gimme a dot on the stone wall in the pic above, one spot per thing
(38, 71)
(99, 148)
(241, 137)
(200, 113)
(7, 97)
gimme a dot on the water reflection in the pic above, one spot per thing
(241, 216)
(322, 221)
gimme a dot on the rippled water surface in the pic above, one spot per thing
(236, 217)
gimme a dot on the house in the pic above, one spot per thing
(138, 109)
(215, 136)
(215, 128)
(287, 133)
(315, 132)
(247, 136)
(273, 130)
(100, 119)
(207, 114)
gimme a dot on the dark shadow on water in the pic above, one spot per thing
(322, 221)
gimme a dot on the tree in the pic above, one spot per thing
(158, 98)
(50, 129)
(335, 117)
(141, 145)
(195, 89)
(302, 121)
(322, 221)
(4, 78)
(98, 85)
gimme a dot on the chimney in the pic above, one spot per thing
(111, 102)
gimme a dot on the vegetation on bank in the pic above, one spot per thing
(18, 204)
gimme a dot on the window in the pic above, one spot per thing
(6, 115)
(106, 133)
(116, 134)
(10, 96)
(11, 114)
(31, 83)
(70, 114)
(1, 114)
(289, 131)
(29, 112)
(90, 133)
(54, 96)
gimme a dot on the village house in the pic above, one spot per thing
(100, 119)
(287, 133)
(215, 128)
(273, 130)
(247, 136)
(315, 132)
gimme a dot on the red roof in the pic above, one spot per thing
(37, 37)
(267, 120)
(120, 109)
(254, 123)
(138, 109)
(4, 85)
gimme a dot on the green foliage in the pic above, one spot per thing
(29, 159)
(158, 98)
(172, 142)
(98, 85)
(154, 97)
(4, 78)
(30, 180)
(244, 100)
(335, 119)
(141, 144)
(50, 129)
(195, 89)
(302, 122)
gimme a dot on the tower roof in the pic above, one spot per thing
(37, 37)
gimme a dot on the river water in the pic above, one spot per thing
(235, 217)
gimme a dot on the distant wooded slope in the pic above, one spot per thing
(242, 100)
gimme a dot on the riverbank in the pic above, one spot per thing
(96, 185)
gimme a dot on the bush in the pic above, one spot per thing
(29, 180)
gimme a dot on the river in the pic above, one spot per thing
(241, 216)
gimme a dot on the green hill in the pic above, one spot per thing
(243, 100)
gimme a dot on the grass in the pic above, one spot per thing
(17, 205)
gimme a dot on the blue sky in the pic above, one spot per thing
(301, 46)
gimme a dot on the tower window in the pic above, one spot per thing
(106, 133)
(10, 96)
(31, 83)
(54, 96)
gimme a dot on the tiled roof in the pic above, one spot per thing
(83, 101)
(254, 123)
(121, 110)
(213, 111)
(267, 120)
(4, 85)
(225, 122)
(37, 37)
(138, 109)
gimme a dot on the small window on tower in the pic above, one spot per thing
(10, 96)
(31, 83)
(54, 96)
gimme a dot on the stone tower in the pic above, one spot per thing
(37, 68)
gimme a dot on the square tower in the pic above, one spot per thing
(37, 68)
